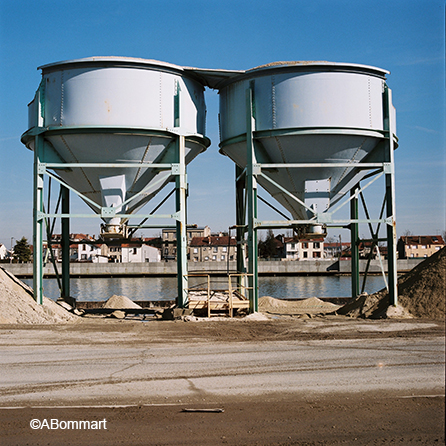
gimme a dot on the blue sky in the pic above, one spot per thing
(405, 37)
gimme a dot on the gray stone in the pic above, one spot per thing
(64, 304)
(176, 313)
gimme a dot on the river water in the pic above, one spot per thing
(164, 288)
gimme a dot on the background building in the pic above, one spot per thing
(169, 240)
(413, 246)
(333, 250)
(3, 251)
(296, 249)
(139, 252)
(215, 248)
(84, 248)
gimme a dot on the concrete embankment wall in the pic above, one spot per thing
(316, 267)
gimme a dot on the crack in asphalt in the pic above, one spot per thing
(93, 382)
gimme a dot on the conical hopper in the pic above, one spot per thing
(114, 111)
(306, 112)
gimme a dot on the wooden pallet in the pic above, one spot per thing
(217, 300)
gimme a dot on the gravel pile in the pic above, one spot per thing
(120, 303)
(17, 305)
(268, 304)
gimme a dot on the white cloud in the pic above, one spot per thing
(423, 61)
(424, 129)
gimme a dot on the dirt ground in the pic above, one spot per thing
(384, 416)
(283, 420)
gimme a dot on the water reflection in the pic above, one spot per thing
(301, 287)
(165, 288)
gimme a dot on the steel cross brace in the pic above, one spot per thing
(386, 168)
(177, 169)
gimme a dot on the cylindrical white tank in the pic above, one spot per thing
(121, 92)
(305, 112)
(86, 102)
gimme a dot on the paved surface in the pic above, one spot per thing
(96, 363)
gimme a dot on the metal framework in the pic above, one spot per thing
(45, 158)
(247, 213)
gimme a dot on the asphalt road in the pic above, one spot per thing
(101, 364)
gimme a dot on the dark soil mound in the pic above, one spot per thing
(421, 291)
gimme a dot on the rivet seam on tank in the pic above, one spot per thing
(176, 104)
(287, 170)
(370, 101)
(61, 97)
(143, 160)
(252, 86)
(76, 160)
(160, 101)
(352, 159)
(273, 96)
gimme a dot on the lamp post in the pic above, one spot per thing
(340, 247)
(10, 255)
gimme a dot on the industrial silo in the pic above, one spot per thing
(115, 131)
(308, 133)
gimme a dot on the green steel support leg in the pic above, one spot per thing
(252, 205)
(181, 187)
(390, 204)
(240, 222)
(65, 291)
(354, 231)
(38, 222)
(253, 253)
(391, 243)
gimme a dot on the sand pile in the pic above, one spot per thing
(421, 292)
(120, 303)
(313, 305)
(17, 305)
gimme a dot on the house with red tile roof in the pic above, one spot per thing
(419, 246)
(302, 249)
(213, 248)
